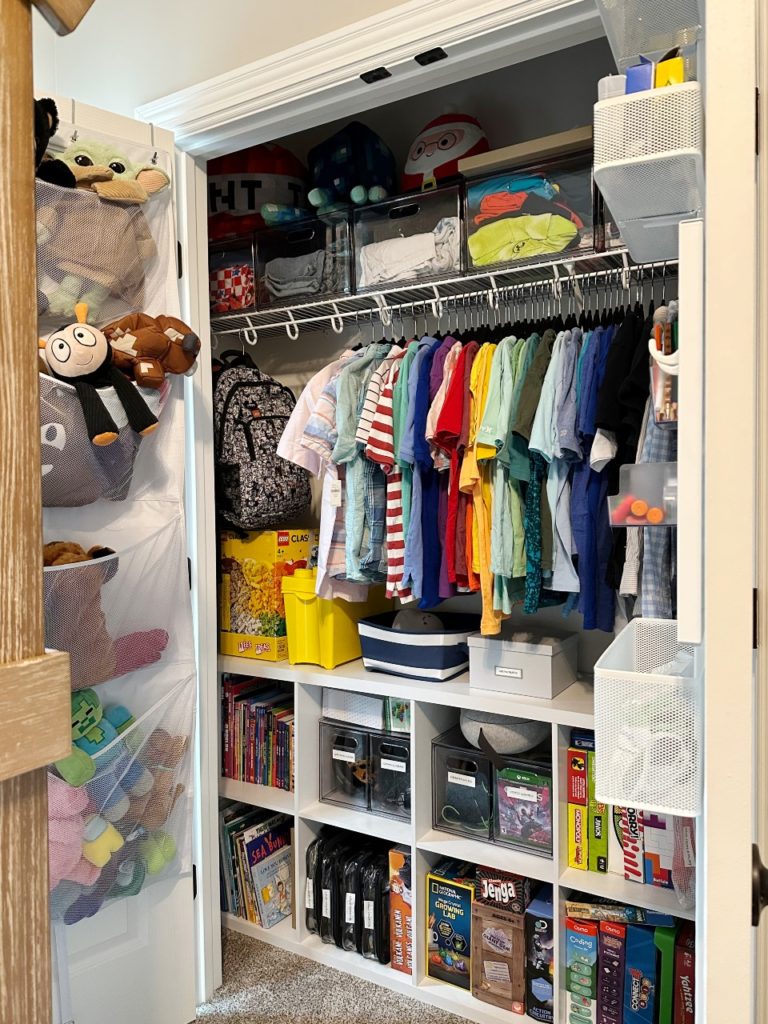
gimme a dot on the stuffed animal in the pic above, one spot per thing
(106, 170)
(73, 611)
(434, 156)
(147, 348)
(67, 820)
(241, 185)
(109, 770)
(47, 168)
(81, 355)
(353, 166)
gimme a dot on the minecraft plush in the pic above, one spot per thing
(48, 168)
(81, 355)
(110, 771)
(434, 157)
(241, 185)
(146, 348)
(354, 166)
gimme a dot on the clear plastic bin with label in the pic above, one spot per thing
(462, 787)
(391, 775)
(344, 765)
(647, 495)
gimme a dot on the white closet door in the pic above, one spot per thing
(135, 959)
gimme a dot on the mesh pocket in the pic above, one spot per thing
(119, 807)
(109, 255)
(75, 471)
(115, 614)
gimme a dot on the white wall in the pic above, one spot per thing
(124, 55)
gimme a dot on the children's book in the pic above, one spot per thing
(272, 883)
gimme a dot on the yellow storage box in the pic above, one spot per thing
(324, 632)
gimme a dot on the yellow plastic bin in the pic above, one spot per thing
(324, 632)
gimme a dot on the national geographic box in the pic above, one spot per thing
(251, 607)
(498, 957)
(450, 892)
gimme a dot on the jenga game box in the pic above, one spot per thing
(498, 957)
(251, 606)
(400, 909)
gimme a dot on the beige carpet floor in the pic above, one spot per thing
(265, 985)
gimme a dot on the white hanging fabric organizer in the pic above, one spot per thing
(120, 806)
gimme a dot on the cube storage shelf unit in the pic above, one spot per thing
(434, 709)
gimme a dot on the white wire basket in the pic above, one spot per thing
(651, 28)
(649, 164)
(648, 723)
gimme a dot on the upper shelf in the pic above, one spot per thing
(567, 275)
(574, 706)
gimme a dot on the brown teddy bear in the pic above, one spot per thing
(147, 348)
(66, 552)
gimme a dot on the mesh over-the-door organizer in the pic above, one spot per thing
(649, 721)
(75, 471)
(109, 255)
(115, 614)
(651, 28)
(119, 806)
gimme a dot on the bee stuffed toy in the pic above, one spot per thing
(80, 355)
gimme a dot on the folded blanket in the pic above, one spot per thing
(295, 275)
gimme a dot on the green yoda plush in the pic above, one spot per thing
(94, 252)
(102, 168)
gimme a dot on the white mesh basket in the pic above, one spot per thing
(649, 27)
(649, 152)
(648, 725)
(652, 239)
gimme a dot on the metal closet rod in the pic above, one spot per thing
(489, 295)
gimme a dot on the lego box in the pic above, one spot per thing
(450, 891)
(498, 957)
(251, 607)
(401, 909)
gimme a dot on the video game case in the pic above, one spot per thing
(578, 824)
(577, 777)
(632, 843)
(612, 942)
(598, 823)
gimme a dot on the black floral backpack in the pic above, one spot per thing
(256, 489)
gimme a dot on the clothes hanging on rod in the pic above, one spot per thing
(482, 463)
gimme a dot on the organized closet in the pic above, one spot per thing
(505, 462)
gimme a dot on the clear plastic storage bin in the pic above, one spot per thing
(344, 765)
(531, 212)
(523, 803)
(231, 281)
(304, 261)
(649, 721)
(412, 238)
(391, 775)
(647, 495)
(462, 787)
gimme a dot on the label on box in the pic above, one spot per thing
(334, 494)
(578, 847)
(309, 895)
(343, 755)
(326, 903)
(577, 777)
(349, 908)
(461, 779)
(510, 673)
(368, 914)
(632, 841)
(496, 972)
(390, 765)
(521, 793)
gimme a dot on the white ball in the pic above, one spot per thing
(411, 620)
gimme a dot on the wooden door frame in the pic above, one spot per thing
(34, 687)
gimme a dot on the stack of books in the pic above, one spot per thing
(258, 730)
(255, 864)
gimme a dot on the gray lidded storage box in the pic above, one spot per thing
(523, 662)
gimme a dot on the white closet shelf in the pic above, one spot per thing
(574, 706)
(362, 822)
(269, 797)
(616, 887)
(492, 855)
(427, 297)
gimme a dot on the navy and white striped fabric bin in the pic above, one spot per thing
(434, 657)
